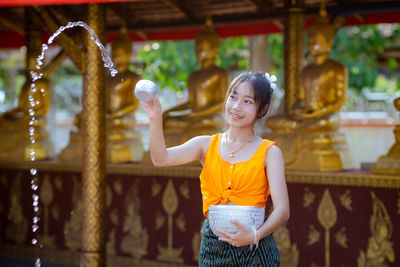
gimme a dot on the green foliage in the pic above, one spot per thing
(358, 48)
(276, 52)
(233, 54)
(170, 63)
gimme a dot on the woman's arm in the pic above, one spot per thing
(275, 166)
(192, 150)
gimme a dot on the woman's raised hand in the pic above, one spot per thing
(153, 109)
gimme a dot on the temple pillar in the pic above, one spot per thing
(293, 49)
(94, 146)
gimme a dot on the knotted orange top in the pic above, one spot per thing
(244, 183)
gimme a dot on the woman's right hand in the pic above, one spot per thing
(153, 109)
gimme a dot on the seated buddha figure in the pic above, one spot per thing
(206, 88)
(390, 163)
(322, 90)
(123, 141)
(310, 128)
(30, 115)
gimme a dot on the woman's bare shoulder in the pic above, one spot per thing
(202, 140)
(274, 154)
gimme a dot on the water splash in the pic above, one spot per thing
(36, 75)
(104, 54)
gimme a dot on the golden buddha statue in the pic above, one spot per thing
(207, 86)
(16, 141)
(390, 163)
(123, 141)
(310, 127)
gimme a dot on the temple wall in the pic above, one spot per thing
(154, 216)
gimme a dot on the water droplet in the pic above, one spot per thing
(38, 263)
(36, 209)
(36, 219)
(33, 171)
(34, 241)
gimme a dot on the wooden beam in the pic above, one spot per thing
(55, 63)
(11, 22)
(258, 4)
(183, 7)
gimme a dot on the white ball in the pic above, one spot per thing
(145, 90)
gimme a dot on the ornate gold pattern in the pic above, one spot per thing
(159, 221)
(341, 237)
(118, 186)
(17, 226)
(327, 216)
(380, 248)
(136, 240)
(94, 161)
(345, 200)
(114, 217)
(289, 253)
(58, 182)
(155, 188)
(181, 223)
(192, 172)
(313, 235)
(54, 211)
(46, 196)
(72, 228)
(170, 205)
(309, 197)
(184, 190)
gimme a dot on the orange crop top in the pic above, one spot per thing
(244, 183)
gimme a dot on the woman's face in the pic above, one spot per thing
(240, 106)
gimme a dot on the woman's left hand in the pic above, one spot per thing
(243, 237)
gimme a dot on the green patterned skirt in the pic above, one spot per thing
(214, 252)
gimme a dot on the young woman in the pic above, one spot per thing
(239, 168)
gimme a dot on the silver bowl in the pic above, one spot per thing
(220, 216)
(145, 90)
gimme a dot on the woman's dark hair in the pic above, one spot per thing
(261, 86)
